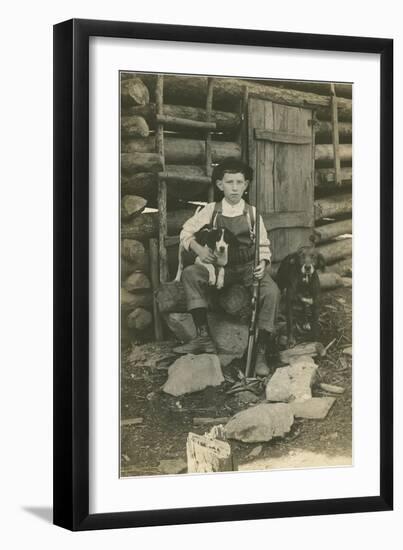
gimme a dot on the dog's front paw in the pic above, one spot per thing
(220, 280)
(212, 280)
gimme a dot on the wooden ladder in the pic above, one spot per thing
(335, 135)
(158, 249)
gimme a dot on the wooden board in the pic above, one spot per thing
(281, 154)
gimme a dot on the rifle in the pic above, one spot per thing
(253, 330)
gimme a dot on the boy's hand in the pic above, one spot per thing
(203, 252)
(259, 271)
(206, 255)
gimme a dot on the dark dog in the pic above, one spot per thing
(218, 241)
(298, 276)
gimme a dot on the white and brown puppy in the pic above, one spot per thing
(218, 241)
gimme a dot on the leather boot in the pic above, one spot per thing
(203, 343)
(266, 349)
(261, 365)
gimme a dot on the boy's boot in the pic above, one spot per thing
(265, 349)
(203, 343)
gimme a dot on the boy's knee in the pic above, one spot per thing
(268, 287)
(193, 273)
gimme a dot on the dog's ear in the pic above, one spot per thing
(291, 259)
(314, 238)
(230, 238)
(202, 236)
(321, 263)
(212, 237)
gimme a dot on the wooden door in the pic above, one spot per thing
(281, 152)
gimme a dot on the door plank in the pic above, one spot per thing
(281, 153)
(282, 137)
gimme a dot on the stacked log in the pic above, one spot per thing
(228, 91)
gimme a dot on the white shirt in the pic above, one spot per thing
(204, 217)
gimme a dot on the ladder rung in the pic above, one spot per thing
(185, 122)
(171, 176)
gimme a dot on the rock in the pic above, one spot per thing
(137, 281)
(151, 354)
(131, 250)
(329, 280)
(139, 319)
(309, 348)
(131, 301)
(172, 466)
(225, 359)
(331, 388)
(348, 351)
(260, 423)
(246, 397)
(316, 407)
(347, 281)
(302, 360)
(182, 325)
(292, 383)
(131, 205)
(231, 336)
(255, 452)
(191, 373)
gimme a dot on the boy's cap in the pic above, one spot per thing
(232, 165)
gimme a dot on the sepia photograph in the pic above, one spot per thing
(236, 274)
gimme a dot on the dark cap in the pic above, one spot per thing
(232, 165)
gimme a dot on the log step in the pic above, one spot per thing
(336, 205)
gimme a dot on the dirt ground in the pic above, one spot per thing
(154, 425)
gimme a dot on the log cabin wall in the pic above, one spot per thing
(172, 130)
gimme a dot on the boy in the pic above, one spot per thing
(232, 177)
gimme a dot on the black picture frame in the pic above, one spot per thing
(71, 274)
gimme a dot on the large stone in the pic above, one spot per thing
(312, 349)
(316, 407)
(260, 423)
(230, 335)
(191, 373)
(182, 325)
(226, 359)
(331, 388)
(292, 383)
(246, 398)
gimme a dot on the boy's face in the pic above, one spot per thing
(233, 186)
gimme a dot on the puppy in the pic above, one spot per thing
(298, 276)
(218, 241)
